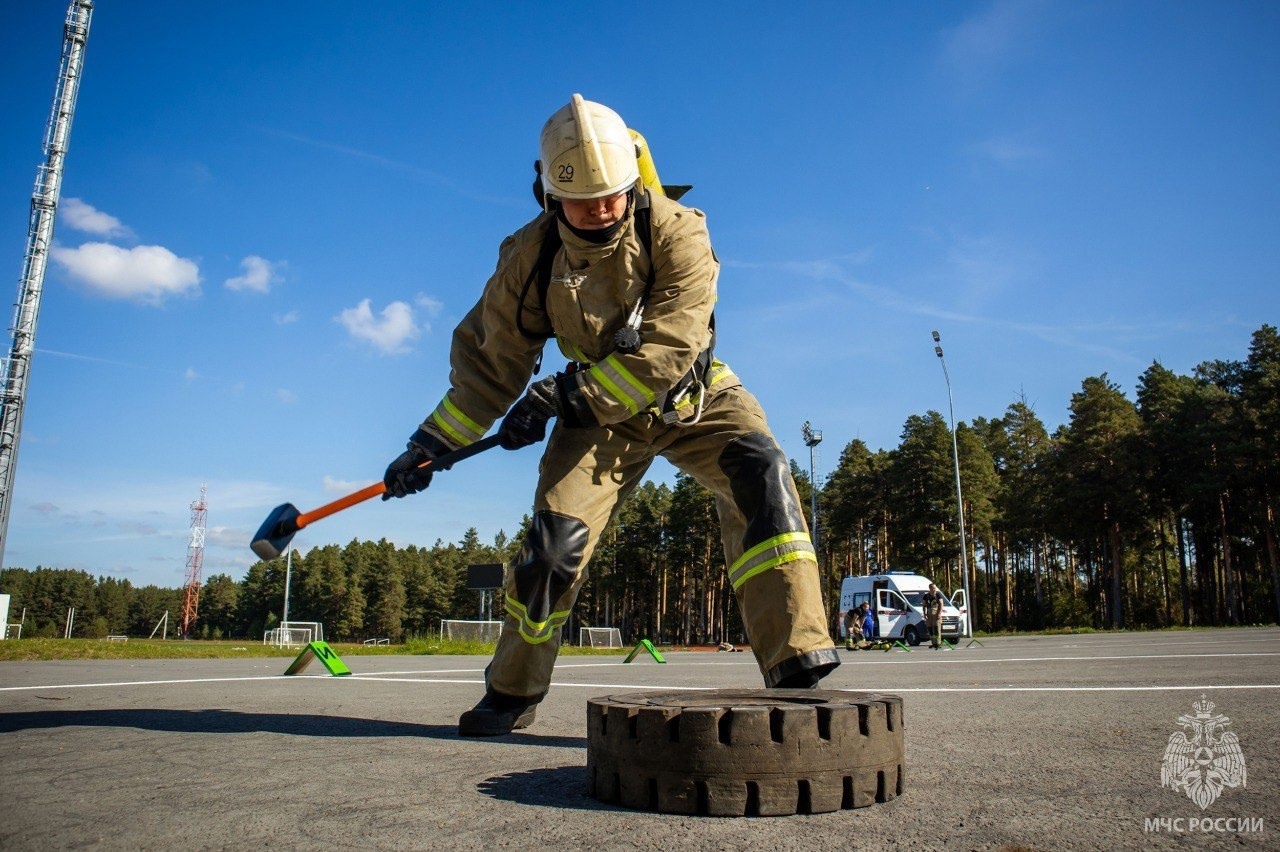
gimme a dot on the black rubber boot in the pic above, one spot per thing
(802, 672)
(496, 715)
(807, 679)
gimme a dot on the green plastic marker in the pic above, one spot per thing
(644, 644)
(322, 652)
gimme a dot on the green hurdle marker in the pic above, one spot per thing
(644, 644)
(322, 652)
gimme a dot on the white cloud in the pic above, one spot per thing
(433, 307)
(259, 275)
(227, 537)
(286, 318)
(341, 486)
(74, 213)
(286, 397)
(390, 334)
(191, 375)
(148, 274)
(430, 307)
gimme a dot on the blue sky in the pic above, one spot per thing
(273, 214)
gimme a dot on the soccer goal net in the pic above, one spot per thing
(470, 631)
(316, 628)
(600, 637)
(291, 633)
(287, 637)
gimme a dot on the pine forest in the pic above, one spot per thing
(1150, 512)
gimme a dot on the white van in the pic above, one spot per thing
(896, 598)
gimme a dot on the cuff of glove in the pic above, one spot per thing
(575, 412)
(423, 440)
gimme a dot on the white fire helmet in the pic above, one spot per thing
(586, 151)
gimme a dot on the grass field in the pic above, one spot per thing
(19, 650)
(28, 650)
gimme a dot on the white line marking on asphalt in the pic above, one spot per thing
(902, 662)
(466, 671)
(429, 676)
(648, 686)
(1170, 688)
(651, 687)
(952, 661)
(681, 688)
(355, 678)
(1172, 642)
(157, 682)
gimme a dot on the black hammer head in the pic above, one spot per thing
(276, 532)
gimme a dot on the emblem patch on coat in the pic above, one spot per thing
(572, 280)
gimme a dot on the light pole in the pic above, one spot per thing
(955, 456)
(811, 440)
(288, 575)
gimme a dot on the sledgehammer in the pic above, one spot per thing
(284, 521)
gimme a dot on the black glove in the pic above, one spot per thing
(526, 422)
(405, 475)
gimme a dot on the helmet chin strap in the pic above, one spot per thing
(597, 236)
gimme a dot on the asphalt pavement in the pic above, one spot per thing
(1047, 742)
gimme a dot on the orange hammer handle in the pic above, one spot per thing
(342, 503)
(443, 462)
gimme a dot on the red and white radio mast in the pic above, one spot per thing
(195, 562)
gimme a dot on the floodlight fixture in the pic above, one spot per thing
(955, 456)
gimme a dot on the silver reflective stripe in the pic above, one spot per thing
(458, 426)
(621, 385)
(779, 550)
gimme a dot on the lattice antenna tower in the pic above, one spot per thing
(44, 204)
(195, 564)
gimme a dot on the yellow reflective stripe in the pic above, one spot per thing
(616, 392)
(719, 372)
(793, 556)
(571, 352)
(538, 639)
(771, 553)
(453, 433)
(537, 632)
(623, 386)
(455, 424)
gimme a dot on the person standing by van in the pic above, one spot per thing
(933, 615)
(868, 624)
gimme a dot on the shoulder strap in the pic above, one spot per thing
(542, 273)
(551, 243)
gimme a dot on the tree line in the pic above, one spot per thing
(362, 590)
(1152, 512)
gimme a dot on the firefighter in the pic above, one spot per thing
(933, 615)
(624, 279)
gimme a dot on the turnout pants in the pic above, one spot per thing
(586, 474)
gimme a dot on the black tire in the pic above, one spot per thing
(911, 635)
(743, 752)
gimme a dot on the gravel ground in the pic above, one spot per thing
(1027, 743)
